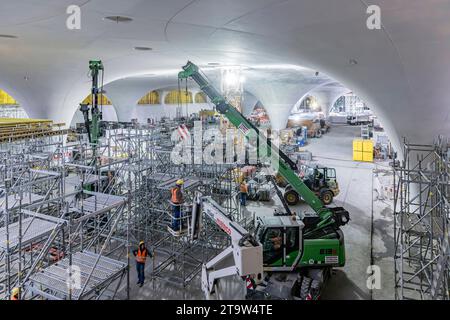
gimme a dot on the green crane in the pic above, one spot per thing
(328, 219)
(93, 125)
(302, 252)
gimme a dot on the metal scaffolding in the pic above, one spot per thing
(421, 190)
(76, 209)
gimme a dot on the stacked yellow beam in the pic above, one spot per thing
(16, 129)
(6, 99)
(9, 122)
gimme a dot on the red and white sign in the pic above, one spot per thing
(183, 131)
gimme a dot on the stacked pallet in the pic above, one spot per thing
(17, 129)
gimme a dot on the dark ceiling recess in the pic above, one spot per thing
(8, 36)
(143, 48)
(119, 19)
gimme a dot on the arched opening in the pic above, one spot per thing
(9, 107)
(309, 104)
(103, 100)
(351, 104)
(200, 97)
(351, 109)
(176, 97)
(108, 111)
(259, 116)
(306, 112)
(151, 98)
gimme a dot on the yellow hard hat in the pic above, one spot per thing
(180, 182)
(142, 242)
(15, 291)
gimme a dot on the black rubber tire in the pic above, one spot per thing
(291, 197)
(305, 287)
(326, 196)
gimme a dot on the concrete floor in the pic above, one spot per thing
(369, 234)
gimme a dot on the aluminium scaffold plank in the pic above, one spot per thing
(55, 277)
(32, 230)
(14, 200)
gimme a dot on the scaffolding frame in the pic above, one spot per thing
(421, 222)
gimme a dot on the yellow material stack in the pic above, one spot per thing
(6, 99)
(363, 150)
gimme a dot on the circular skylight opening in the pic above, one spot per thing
(8, 36)
(143, 48)
(119, 19)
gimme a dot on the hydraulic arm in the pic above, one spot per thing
(246, 251)
(327, 217)
(93, 126)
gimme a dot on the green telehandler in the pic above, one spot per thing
(288, 256)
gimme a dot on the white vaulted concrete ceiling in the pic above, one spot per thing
(402, 70)
(279, 88)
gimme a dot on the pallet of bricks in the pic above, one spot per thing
(363, 150)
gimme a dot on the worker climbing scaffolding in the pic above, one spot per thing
(177, 201)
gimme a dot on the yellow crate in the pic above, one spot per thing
(357, 156)
(367, 156)
(367, 145)
(357, 145)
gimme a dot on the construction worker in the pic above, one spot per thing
(15, 294)
(243, 193)
(250, 285)
(177, 201)
(141, 255)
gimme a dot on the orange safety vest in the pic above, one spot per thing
(244, 188)
(141, 256)
(176, 195)
(14, 297)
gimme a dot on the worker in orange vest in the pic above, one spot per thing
(177, 201)
(250, 284)
(15, 294)
(243, 193)
(141, 255)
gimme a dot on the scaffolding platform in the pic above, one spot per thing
(97, 203)
(189, 183)
(14, 200)
(91, 179)
(33, 229)
(96, 272)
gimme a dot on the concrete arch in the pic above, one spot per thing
(396, 70)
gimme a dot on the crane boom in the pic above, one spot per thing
(285, 166)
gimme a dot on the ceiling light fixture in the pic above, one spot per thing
(353, 62)
(119, 19)
(213, 64)
(8, 36)
(143, 48)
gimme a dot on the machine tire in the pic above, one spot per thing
(291, 197)
(305, 287)
(326, 196)
(319, 133)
